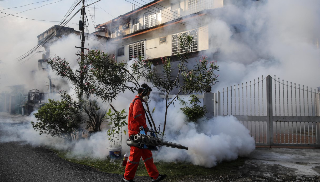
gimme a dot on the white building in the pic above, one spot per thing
(152, 31)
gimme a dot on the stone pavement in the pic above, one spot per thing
(304, 162)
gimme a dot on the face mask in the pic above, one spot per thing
(145, 98)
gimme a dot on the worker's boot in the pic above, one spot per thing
(160, 178)
(124, 180)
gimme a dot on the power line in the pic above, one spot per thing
(72, 8)
(92, 19)
(92, 3)
(49, 37)
(35, 8)
(26, 5)
(106, 12)
(62, 23)
(7, 14)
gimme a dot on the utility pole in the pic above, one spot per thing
(81, 27)
(83, 12)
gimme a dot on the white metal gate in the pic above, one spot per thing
(276, 112)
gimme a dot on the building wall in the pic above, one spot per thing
(203, 38)
(153, 47)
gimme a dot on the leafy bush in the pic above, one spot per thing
(57, 118)
(195, 111)
(117, 120)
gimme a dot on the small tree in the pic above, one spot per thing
(197, 79)
(98, 74)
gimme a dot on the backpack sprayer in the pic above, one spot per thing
(144, 141)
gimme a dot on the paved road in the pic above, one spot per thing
(20, 162)
(304, 162)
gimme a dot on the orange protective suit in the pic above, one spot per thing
(136, 119)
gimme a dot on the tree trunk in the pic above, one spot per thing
(165, 116)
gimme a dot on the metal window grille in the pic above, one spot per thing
(146, 21)
(192, 5)
(136, 50)
(181, 38)
(130, 51)
(199, 5)
(120, 51)
(151, 19)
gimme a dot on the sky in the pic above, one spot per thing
(19, 34)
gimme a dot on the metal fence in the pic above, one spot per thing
(276, 112)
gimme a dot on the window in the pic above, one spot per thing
(120, 51)
(135, 21)
(136, 50)
(176, 10)
(162, 40)
(126, 26)
(152, 19)
(192, 5)
(135, 25)
(199, 5)
(179, 38)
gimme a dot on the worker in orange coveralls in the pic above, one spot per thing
(137, 119)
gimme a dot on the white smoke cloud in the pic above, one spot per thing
(21, 130)
(274, 38)
(209, 141)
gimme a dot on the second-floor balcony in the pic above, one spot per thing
(160, 12)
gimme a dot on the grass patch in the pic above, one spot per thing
(174, 170)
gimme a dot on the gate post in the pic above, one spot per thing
(269, 111)
(219, 105)
(317, 104)
(216, 102)
(209, 103)
(318, 114)
(215, 113)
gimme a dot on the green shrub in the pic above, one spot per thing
(195, 111)
(57, 118)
